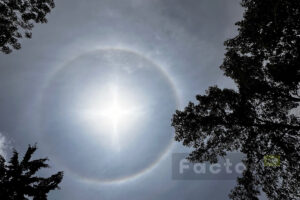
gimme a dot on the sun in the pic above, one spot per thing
(112, 112)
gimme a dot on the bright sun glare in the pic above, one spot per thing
(112, 113)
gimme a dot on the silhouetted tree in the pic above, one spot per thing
(19, 182)
(17, 18)
(258, 118)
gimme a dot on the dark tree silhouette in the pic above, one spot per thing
(257, 119)
(19, 182)
(17, 18)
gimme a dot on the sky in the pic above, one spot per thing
(96, 88)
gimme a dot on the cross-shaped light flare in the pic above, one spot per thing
(116, 113)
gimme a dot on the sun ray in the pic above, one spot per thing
(115, 113)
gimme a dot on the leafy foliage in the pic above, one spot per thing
(19, 182)
(257, 119)
(17, 18)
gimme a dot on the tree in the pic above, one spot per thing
(17, 18)
(258, 118)
(19, 182)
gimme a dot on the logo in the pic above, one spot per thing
(271, 160)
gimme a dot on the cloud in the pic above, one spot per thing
(2, 145)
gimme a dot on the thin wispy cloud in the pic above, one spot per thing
(2, 145)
